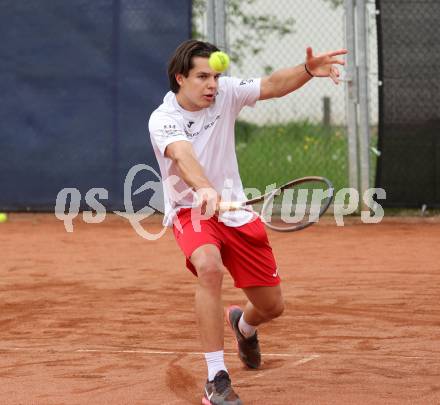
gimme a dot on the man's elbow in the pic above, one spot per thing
(268, 91)
(179, 152)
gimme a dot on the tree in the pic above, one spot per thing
(335, 3)
(257, 28)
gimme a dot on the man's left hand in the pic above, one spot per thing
(322, 65)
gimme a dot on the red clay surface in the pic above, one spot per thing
(102, 316)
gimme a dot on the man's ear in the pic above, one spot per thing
(179, 78)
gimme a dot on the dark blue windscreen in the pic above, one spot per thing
(78, 81)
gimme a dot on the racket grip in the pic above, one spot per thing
(230, 205)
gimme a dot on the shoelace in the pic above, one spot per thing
(222, 382)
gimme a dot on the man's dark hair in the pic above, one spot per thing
(182, 59)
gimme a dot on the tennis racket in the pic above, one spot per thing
(295, 205)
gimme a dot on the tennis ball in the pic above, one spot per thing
(219, 61)
(3, 217)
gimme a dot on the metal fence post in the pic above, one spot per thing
(210, 16)
(216, 16)
(351, 95)
(220, 25)
(364, 114)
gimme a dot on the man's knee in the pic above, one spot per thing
(210, 272)
(274, 309)
(209, 268)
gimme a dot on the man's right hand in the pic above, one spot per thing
(208, 201)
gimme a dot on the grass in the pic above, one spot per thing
(278, 153)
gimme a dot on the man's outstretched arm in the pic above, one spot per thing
(287, 80)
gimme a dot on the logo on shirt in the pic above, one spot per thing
(211, 124)
(170, 130)
(191, 135)
(243, 82)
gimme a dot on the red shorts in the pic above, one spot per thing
(245, 249)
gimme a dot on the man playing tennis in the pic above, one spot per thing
(192, 134)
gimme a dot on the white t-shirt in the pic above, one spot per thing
(211, 132)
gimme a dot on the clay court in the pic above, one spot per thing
(102, 316)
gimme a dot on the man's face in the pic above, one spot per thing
(198, 90)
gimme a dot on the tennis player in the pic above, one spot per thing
(192, 133)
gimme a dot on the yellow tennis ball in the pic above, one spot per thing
(3, 217)
(219, 61)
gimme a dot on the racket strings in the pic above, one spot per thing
(298, 206)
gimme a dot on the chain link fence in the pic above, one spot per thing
(303, 133)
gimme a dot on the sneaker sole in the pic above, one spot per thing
(228, 311)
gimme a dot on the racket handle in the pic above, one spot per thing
(230, 205)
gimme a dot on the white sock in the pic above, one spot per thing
(246, 329)
(215, 362)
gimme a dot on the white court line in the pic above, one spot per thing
(296, 363)
(264, 373)
(162, 352)
(306, 359)
(134, 351)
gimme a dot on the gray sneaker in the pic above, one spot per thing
(248, 348)
(220, 392)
